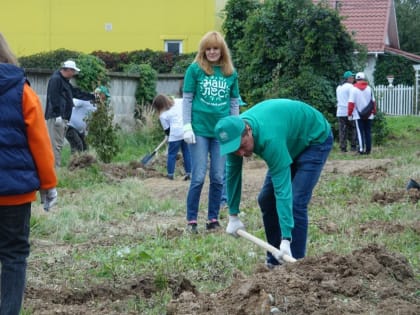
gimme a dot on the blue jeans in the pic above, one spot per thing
(305, 172)
(173, 149)
(223, 201)
(14, 249)
(200, 152)
(364, 135)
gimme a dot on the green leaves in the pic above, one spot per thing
(280, 42)
(102, 133)
(92, 74)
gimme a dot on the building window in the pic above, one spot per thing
(173, 46)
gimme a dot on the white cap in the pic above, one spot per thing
(360, 76)
(70, 64)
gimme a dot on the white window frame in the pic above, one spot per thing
(173, 41)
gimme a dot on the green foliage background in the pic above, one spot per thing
(281, 48)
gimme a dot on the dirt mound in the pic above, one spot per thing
(369, 281)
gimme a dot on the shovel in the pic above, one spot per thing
(148, 157)
(265, 245)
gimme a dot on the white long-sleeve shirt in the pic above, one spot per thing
(172, 118)
(343, 94)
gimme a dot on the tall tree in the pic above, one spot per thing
(408, 13)
(292, 49)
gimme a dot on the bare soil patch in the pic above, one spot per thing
(370, 280)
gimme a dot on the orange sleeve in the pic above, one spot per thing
(38, 138)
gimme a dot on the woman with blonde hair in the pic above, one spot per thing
(210, 93)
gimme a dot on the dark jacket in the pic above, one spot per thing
(60, 94)
(18, 174)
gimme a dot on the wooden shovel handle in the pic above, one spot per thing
(161, 144)
(265, 245)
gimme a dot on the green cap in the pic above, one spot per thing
(103, 89)
(229, 131)
(348, 74)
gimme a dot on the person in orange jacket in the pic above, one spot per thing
(26, 166)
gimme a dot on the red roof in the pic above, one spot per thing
(372, 23)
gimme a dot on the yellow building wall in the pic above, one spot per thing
(32, 26)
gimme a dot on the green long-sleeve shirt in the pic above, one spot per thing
(282, 129)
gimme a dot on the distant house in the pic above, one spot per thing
(373, 24)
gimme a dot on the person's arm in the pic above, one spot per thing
(233, 186)
(187, 99)
(38, 138)
(164, 122)
(351, 104)
(234, 106)
(78, 93)
(234, 182)
(234, 97)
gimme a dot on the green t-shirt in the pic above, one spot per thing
(282, 129)
(212, 94)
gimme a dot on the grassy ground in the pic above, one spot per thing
(114, 231)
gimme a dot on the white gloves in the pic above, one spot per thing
(350, 118)
(58, 120)
(284, 250)
(189, 136)
(48, 198)
(234, 225)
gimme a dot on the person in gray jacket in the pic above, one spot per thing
(60, 94)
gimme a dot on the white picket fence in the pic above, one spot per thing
(398, 100)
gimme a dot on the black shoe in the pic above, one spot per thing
(212, 225)
(171, 177)
(187, 177)
(192, 228)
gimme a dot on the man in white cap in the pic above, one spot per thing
(294, 139)
(60, 94)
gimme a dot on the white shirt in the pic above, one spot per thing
(343, 93)
(361, 99)
(172, 118)
(79, 113)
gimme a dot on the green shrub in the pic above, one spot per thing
(399, 67)
(146, 88)
(380, 129)
(182, 63)
(308, 87)
(102, 134)
(48, 60)
(113, 61)
(93, 72)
